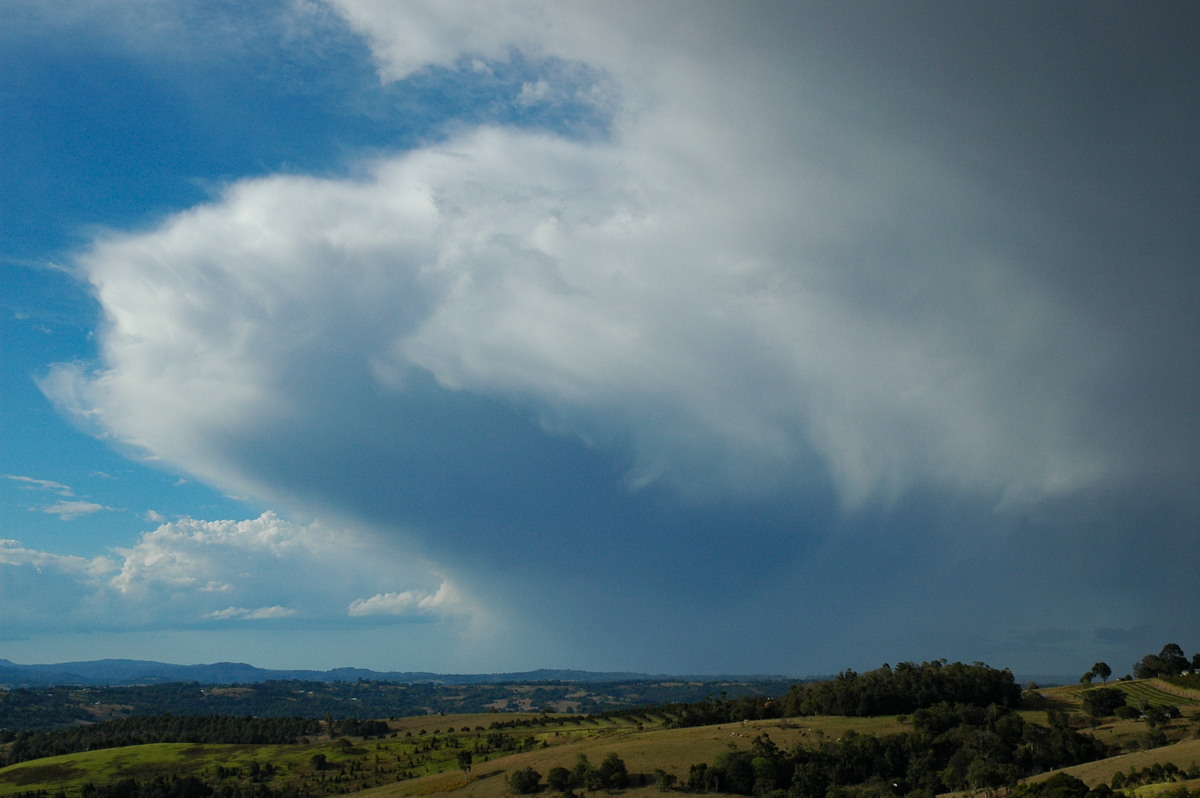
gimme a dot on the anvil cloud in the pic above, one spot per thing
(841, 319)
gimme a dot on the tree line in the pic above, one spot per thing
(55, 707)
(952, 747)
(175, 787)
(1171, 661)
(244, 730)
(884, 691)
(903, 689)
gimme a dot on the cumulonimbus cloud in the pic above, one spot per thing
(606, 288)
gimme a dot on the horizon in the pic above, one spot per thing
(1019, 678)
(674, 337)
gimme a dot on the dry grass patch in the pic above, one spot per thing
(1184, 754)
(643, 751)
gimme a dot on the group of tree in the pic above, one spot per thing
(27, 745)
(1171, 661)
(884, 691)
(56, 707)
(952, 747)
(354, 727)
(611, 774)
(903, 689)
(1100, 669)
(175, 787)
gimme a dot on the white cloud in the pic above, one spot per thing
(259, 569)
(446, 599)
(425, 32)
(68, 511)
(613, 289)
(88, 571)
(741, 289)
(42, 484)
(262, 613)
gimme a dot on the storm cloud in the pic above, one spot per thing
(851, 306)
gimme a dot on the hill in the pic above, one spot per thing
(751, 745)
(114, 672)
(62, 706)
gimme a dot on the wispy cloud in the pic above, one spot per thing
(65, 510)
(262, 613)
(42, 484)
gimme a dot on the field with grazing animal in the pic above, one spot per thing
(992, 737)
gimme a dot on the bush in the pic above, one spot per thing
(558, 779)
(526, 780)
(613, 774)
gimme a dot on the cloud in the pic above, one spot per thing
(87, 570)
(609, 293)
(65, 510)
(262, 613)
(782, 305)
(69, 511)
(189, 570)
(409, 602)
(428, 35)
(42, 484)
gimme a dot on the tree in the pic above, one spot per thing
(1102, 670)
(1103, 701)
(1160, 715)
(525, 781)
(465, 760)
(579, 773)
(1087, 678)
(1148, 667)
(558, 779)
(1168, 662)
(1173, 660)
(613, 774)
(664, 780)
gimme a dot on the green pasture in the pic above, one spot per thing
(1148, 692)
(141, 762)
(420, 755)
(414, 748)
(643, 751)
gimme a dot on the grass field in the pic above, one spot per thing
(419, 756)
(1184, 754)
(671, 750)
(144, 762)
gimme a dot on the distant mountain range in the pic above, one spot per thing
(113, 672)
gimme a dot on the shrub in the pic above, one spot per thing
(524, 781)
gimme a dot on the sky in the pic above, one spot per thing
(671, 337)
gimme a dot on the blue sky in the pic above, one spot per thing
(669, 337)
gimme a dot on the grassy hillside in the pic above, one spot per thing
(644, 751)
(421, 755)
